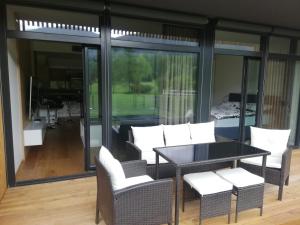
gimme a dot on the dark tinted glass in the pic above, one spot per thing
(203, 152)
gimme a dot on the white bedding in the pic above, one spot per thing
(231, 110)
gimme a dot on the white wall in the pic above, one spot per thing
(227, 76)
(15, 99)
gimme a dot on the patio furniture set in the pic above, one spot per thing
(140, 191)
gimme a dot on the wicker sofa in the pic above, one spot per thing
(140, 204)
(166, 170)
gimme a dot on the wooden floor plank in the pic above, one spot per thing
(61, 154)
(73, 202)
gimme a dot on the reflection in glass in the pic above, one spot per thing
(279, 45)
(237, 41)
(295, 104)
(94, 101)
(253, 71)
(150, 88)
(52, 21)
(276, 95)
(225, 110)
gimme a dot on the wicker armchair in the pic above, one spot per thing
(147, 203)
(275, 176)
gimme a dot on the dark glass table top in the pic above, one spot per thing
(209, 153)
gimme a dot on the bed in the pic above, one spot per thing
(227, 116)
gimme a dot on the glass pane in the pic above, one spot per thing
(150, 88)
(52, 21)
(276, 95)
(251, 99)
(279, 45)
(225, 109)
(295, 103)
(153, 31)
(93, 70)
(298, 48)
(94, 101)
(237, 41)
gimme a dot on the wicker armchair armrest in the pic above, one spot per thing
(134, 151)
(286, 162)
(222, 139)
(146, 203)
(134, 168)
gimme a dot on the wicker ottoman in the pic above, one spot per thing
(248, 187)
(215, 194)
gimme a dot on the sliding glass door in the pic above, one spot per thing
(235, 95)
(250, 93)
(150, 88)
(281, 96)
(91, 126)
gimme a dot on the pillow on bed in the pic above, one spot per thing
(202, 132)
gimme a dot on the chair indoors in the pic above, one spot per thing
(127, 196)
(278, 163)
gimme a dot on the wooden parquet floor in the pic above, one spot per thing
(72, 202)
(61, 154)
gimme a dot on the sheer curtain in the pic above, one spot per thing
(276, 95)
(177, 87)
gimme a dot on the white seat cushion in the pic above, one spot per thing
(135, 180)
(207, 183)
(147, 138)
(202, 132)
(240, 177)
(272, 162)
(113, 167)
(177, 134)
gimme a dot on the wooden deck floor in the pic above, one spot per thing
(73, 202)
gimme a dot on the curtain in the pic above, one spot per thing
(177, 87)
(276, 95)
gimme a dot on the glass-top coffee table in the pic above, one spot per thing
(184, 156)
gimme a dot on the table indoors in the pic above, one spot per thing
(185, 156)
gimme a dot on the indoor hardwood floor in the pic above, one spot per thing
(72, 202)
(61, 154)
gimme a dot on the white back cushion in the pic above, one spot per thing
(177, 134)
(271, 140)
(202, 132)
(147, 138)
(113, 167)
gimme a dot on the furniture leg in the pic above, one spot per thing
(178, 172)
(237, 207)
(183, 194)
(263, 170)
(261, 211)
(228, 221)
(280, 192)
(157, 165)
(97, 220)
(287, 181)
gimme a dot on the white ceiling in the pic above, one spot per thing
(284, 13)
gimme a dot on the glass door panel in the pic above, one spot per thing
(225, 110)
(294, 108)
(251, 94)
(150, 88)
(277, 95)
(92, 128)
